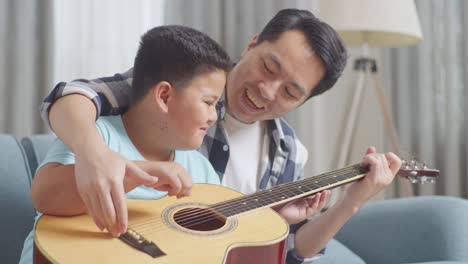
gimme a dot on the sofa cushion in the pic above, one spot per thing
(36, 147)
(337, 253)
(15, 201)
(439, 262)
(409, 230)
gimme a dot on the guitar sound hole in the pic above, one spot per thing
(199, 219)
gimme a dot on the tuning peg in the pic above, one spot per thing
(424, 179)
(414, 179)
(406, 166)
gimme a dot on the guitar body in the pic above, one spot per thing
(251, 237)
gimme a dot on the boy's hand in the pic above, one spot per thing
(383, 168)
(172, 177)
(300, 209)
(99, 174)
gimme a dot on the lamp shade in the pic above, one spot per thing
(379, 23)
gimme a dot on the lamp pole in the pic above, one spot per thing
(363, 66)
(360, 67)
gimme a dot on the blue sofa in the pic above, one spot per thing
(430, 229)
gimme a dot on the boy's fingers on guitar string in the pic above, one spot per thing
(175, 185)
(186, 181)
(139, 174)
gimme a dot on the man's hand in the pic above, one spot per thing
(99, 175)
(383, 168)
(300, 209)
(103, 177)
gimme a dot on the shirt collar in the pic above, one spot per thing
(274, 126)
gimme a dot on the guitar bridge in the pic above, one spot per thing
(137, 241)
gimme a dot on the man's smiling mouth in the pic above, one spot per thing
(254, 101)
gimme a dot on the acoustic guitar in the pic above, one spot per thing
(214, 225)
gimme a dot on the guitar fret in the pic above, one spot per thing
(298, 190)
(287, 191)
(312, 185)
(284, 195)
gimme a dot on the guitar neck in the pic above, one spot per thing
(290, 191)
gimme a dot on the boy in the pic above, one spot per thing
(179, 75)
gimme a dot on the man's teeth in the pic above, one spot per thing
(252, 99)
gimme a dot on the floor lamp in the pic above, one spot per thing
(371, 24)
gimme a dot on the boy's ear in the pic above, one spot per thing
(163, 93)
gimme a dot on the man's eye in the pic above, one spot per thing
(266, 68)
(290, 94)
(209, 103)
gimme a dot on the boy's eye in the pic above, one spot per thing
(209, 103)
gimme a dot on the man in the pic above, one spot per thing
(251, 147)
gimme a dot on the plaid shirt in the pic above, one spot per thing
(287, 156)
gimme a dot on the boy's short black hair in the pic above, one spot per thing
(322, 38)
(175, 54)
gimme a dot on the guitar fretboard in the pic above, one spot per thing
(290, 191)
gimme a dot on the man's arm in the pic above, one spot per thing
(110, 95)
(315, 234)
(99, 171)
(71, 109)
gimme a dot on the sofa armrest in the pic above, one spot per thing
(35, 148)
(15, 201)
(418, 229)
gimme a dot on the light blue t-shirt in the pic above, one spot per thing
(113, 132)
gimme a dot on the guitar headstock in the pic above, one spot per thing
(417, 172)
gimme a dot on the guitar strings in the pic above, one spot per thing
(208, 213)
(264, 194)
(210, 216)
(267, 193)
(354, 169)
(204, 213)
(213, 239)
(146, 233)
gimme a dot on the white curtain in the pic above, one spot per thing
(99, 38)
(43, 42)
(428, 84)
(231, 23)
(26, 48)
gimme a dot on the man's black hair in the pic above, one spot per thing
(175, 54)
(322, 38)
